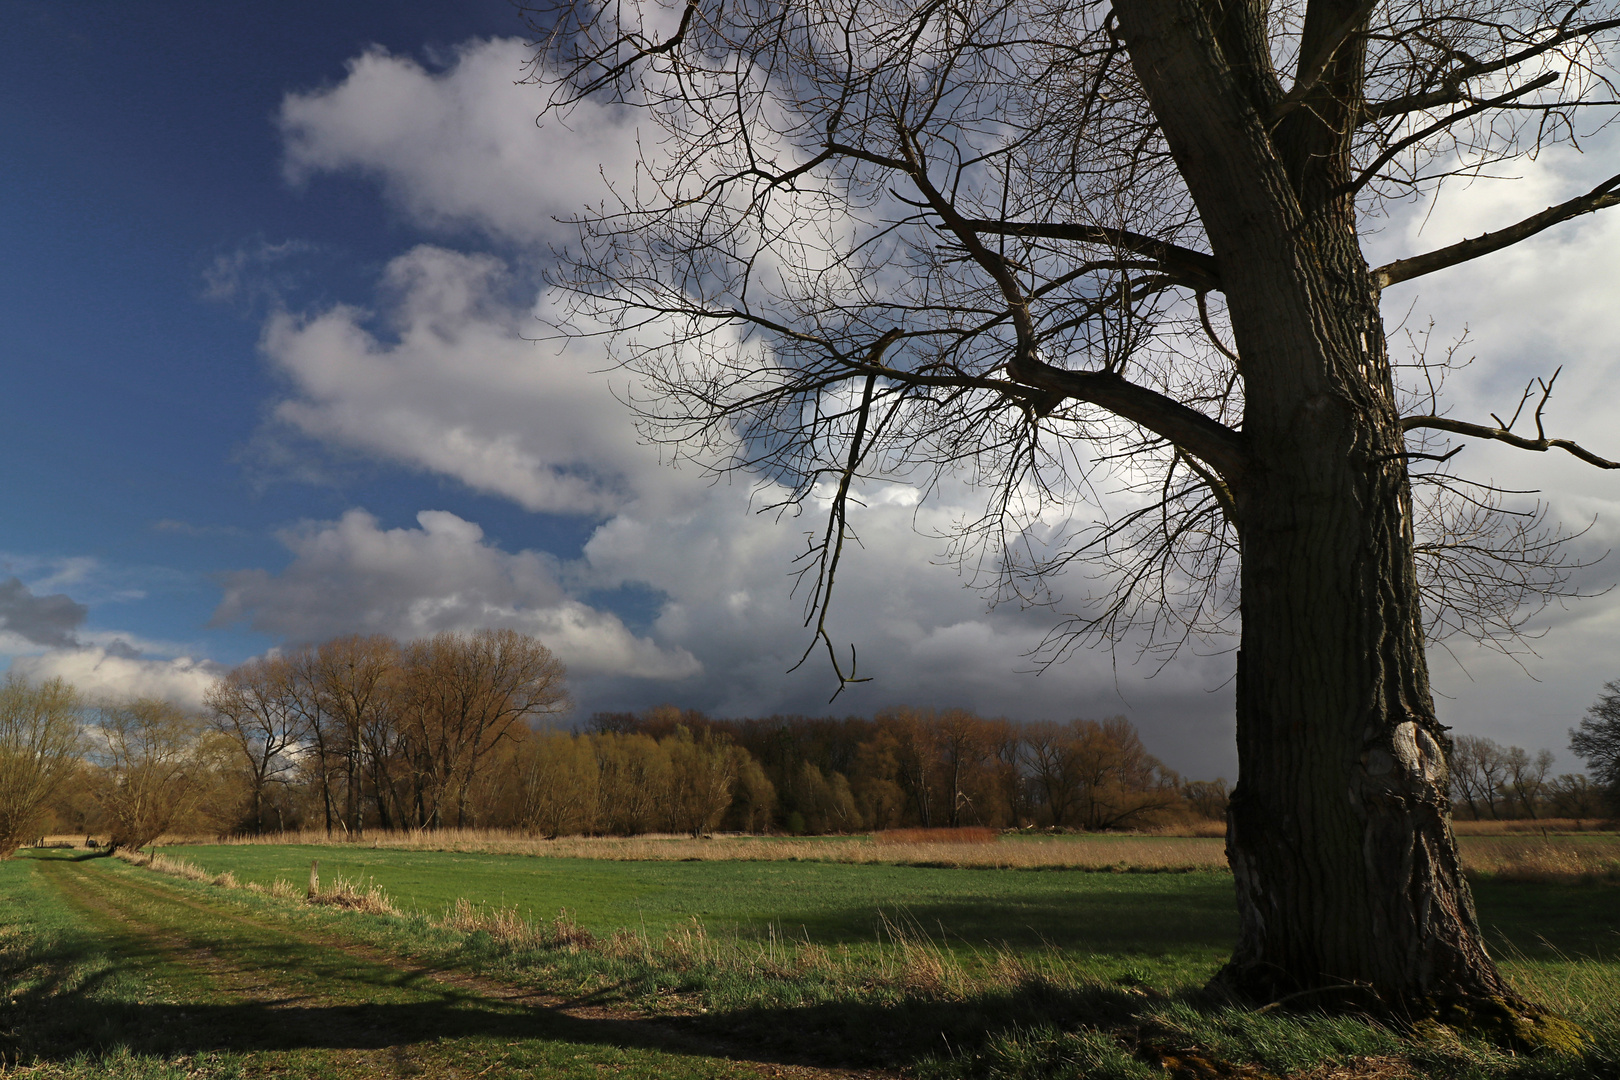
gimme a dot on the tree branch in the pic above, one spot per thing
(1480, 431)
(1444, 122)
(1199, 269)
(1453, 81)
(1221, 447)
(1310, 76)
(1225, 449)
(1604, 195)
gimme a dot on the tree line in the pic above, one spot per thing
(353, 733)
(361, 733)
(1495, 782)
(930, 768)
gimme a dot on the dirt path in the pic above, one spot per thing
(298, 1001)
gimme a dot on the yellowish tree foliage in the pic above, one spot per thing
(154, 767)
(560, 782)
(39, 747)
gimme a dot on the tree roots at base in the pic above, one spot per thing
(1517, 1026)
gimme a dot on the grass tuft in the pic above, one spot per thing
(353, 896)
(507, 928)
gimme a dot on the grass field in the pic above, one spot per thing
(110, 971)
(1187, 919)
(711, 968)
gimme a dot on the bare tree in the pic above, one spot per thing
(463, 693)
(252, 708)
(1050, 754)
(39, 747)
(1596, 740)
(154, 764)
(909, 737)
(1573, 795)
(1478, 768)
(356, 680)
(965, 746)
(1208, 798)
(1120, 784)
(1526, 781)
(328, 753)
(1058, 247)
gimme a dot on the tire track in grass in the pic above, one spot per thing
(312, 1002)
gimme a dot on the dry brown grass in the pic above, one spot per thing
(1550, 859)
(973, 834)
(511, 929)
(1528, 826)
(1203, 827)
(354, 896)
(164, 864)
(342, 892)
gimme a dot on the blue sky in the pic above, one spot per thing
(268, 272)
(144, 149)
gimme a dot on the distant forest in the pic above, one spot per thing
(458, 730)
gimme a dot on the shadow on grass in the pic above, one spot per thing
(77, 1001)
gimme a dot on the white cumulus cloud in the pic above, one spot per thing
(353, 576)
(459, 147)
(457, 390)
(101, 673)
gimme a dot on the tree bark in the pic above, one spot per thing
(1339, 833)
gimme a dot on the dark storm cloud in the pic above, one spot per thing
(42, 620)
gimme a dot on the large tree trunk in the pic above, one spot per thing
(1339, 833)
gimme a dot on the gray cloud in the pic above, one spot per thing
(41, 620)
(453, 390)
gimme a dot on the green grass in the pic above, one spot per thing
(1186, 919)
(76, 994)
(1181, 926)
(1016, 975)
(111, 971)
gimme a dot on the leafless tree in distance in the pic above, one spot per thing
(1596, 740)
